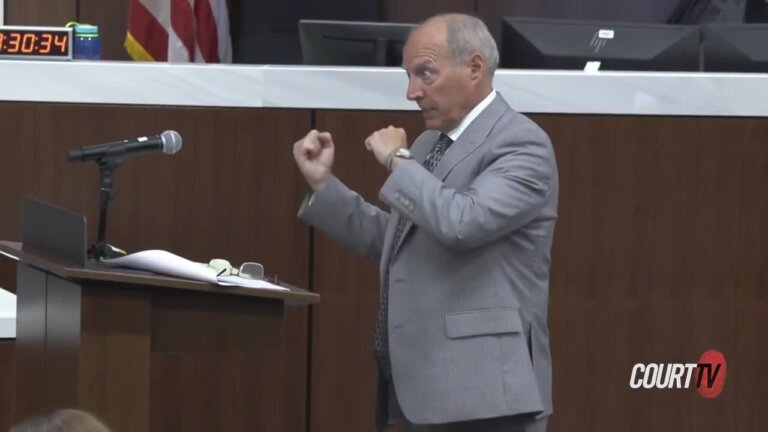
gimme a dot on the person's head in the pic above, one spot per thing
(450, 60)
(65, 420)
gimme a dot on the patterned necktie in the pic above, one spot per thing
(380, 336)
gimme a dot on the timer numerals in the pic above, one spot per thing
(33, 43)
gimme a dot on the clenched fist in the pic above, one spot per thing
(384, 141)
(314, 157)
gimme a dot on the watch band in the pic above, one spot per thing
(394, 153)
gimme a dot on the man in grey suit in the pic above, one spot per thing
(461, 338)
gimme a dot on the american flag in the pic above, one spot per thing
(179, 31)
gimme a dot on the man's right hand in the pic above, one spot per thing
(314, 157)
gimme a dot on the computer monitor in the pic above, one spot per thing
(528, 43)
(735, 48)
(352, 43)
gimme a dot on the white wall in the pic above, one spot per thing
(7, 305)
(7, 314)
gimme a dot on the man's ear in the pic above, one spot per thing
(477, 66)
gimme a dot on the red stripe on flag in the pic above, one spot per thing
(207, 38)
(183, 24)
(147, 31)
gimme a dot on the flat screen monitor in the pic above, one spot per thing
(352, 43)
(735, 48)
(528, 43)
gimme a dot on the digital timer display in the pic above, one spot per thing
(53, 43)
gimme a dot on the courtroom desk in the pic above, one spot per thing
(7, 384)
(7, 343)
(86, 338)
(659, 251)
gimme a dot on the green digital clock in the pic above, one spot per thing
(36, 43)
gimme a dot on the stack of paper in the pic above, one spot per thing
(167, 263)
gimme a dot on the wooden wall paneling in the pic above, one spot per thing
(112, 19)
(752, 277)
(40, 12)
(7, 351)
(30, 324)
(7, 274)
(652, 263)
(412, 11)
(231, 164)
(95, 345)
(17, 135)
(8, 387)
(732, 291)
(215, 388)
(114, 347)
(342, 331)
(231, 192)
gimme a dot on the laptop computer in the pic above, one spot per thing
(55, 232)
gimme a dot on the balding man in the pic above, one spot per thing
(461, 337)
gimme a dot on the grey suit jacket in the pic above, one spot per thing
(469, 282)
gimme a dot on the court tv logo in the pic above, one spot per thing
(707, 375)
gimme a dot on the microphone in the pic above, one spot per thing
(168, 142)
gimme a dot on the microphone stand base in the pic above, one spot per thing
(102, 250)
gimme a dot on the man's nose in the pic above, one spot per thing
(414, 90)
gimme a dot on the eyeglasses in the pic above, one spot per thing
(248, 270)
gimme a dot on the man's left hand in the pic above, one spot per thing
(384, 141)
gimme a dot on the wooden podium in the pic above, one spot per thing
(85, 336)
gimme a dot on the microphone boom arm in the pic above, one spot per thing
(101, 249)
(108, 157)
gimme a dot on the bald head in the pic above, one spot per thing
(463, 36)
(450, 60)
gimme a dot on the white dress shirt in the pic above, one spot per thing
(472, 115)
